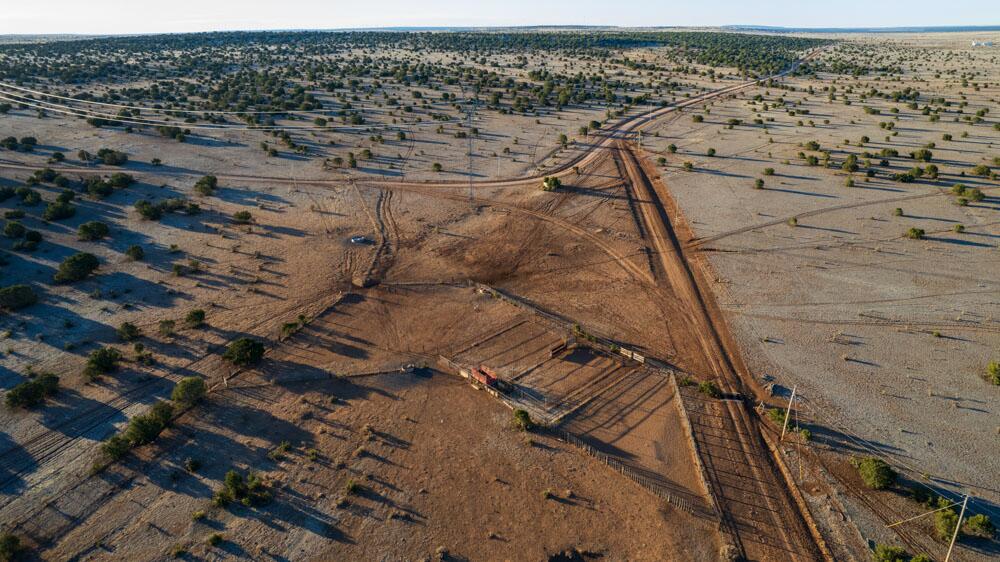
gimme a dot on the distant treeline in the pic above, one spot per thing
(163, 56)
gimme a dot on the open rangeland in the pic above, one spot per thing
(477, 296)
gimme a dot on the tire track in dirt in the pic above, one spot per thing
(50, 445)
(735, 456)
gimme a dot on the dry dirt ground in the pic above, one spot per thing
(885, 338)
(840, 306)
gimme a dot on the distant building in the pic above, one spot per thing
(982, 43)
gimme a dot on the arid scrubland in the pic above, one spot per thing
(241, 271)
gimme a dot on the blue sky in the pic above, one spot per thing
(144, 16)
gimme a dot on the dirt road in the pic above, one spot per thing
(758, 514)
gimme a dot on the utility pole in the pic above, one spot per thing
(958, 525)
(788, 413)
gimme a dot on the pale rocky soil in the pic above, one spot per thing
(843, 306)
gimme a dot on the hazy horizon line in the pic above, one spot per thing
(731, 27)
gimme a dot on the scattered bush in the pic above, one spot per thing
(244, 352)
(135, 253)
(112, 157)
(189, 391)
(166, 328)
(945, 522)
(101, 361)
(249, 492)
(14, 229)
(979, 526)
(10, 547)
(915, 233)
(33, 392)
(115, 447)
(551, 183)
(129, 331)
(76, 267)
(15, 297)
(206, 185)
(93, 230)
(148, 210)
(242, 217)
(993, 372)
(887, 553)
(195, 318)
(710, 389)
(875, 473)
(58, 210)
(522, 420)
(143, 429)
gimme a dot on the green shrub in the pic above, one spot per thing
(31, 393)
(777, 415)
(76, 267)
(101, 361)
(875, 473)
(206, 185)
(244, 351)
(979, 526)
(522, 420)
(887, 553)
(93, 230)
(116, 447)
(162, 412)
(250, 491)
(915, 233)
(135, 253)
(189, 391)
(148, 210)
(195, 318)
(58, 210)
(14, 229)
(242, 217)
(993, 372)
(145, 428)
(551, 183)
(945, 522)
(10, 547)
(112, 157)
(710, 389)
(351, 487)
(15, 297)
(129, 331)
(166, 328)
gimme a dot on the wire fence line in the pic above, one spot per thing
(632, 474)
